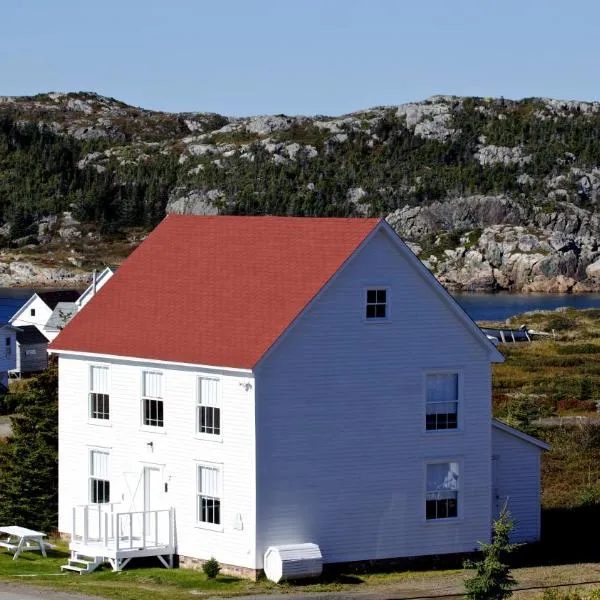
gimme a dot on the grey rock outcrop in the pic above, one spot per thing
(557, 252)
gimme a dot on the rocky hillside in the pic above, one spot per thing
(491, 194)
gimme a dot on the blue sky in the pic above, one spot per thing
(242, 57)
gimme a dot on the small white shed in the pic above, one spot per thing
(516, 459)
(293, 561)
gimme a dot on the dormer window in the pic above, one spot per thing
(32, 312)
(376, 307)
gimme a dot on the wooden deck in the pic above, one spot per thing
(102, 533)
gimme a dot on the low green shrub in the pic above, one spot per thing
(211, 568)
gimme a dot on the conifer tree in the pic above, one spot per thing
(492, 579)
(28, 459)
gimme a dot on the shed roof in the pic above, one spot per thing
(61, 315)
(233, 283)
(520, 434)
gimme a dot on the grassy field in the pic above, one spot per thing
(557, 377)
(163, 584)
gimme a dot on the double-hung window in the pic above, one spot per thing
(442, 391)
(99, 394)
(152, 399)
(8, 347)
(99, 479)
(208, 496)
(208, 410)
(442, 491)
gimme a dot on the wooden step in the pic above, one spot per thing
(80, 570)
(82, 566)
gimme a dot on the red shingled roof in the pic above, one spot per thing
(213, 290)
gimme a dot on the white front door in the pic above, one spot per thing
(153, 496)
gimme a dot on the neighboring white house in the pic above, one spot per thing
(63, 312)
(324, 388)
(98, 281)
(39, 308)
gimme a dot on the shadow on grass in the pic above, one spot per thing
(568, 536)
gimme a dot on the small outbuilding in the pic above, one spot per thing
(32, 350)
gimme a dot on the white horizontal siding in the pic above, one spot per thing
(175, 450)
(42, 314)
(517, 481)
(341, 445)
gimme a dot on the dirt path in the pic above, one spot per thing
(5, 428)
(531, 583)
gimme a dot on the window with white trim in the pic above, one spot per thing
(99, 479)
(152, 400)
(442, 491)
(99, 394)
(32, 312)
(208, 411)
(441, 411)
(8, 347)
(376, 304)
(208, 497)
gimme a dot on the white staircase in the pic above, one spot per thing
(82, 564)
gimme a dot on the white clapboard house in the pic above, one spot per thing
(41, 306)
(243, 383)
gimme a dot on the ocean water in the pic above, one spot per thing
(498, 307)
(11, 300)
(480, 307)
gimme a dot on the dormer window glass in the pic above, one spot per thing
(376, 304)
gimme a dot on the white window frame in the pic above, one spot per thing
(197, 495)
(459, 401)
(8, 346)
(145, 426)
(459, 492)
(388, 303)
(215, 437)
(91, 478)
(94, 420)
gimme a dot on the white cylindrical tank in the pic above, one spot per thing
(293, 561)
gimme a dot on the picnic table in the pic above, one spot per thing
(17, 539)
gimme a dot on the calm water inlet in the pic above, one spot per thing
(498, 307)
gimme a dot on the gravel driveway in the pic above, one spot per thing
(531, 582)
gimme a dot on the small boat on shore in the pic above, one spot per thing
(505, 335)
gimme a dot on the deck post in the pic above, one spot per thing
(118, 519)
(156, 528)
(172, 527)
(131, 530)
(74, 524)
(85, 524)
(144, 530)
(105, 530)
(112, 521)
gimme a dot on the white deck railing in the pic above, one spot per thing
(105, 525)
